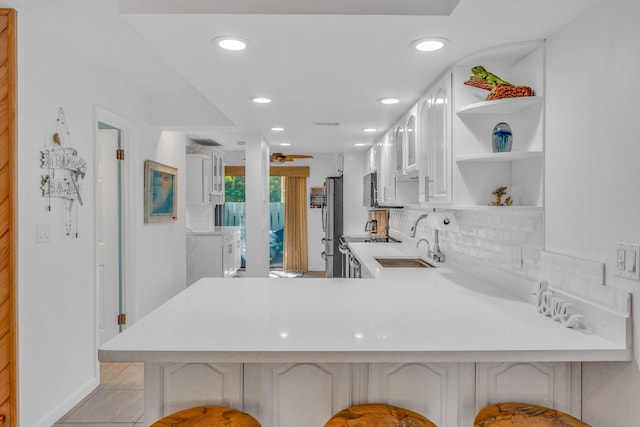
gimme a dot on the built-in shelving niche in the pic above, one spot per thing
(477, 170)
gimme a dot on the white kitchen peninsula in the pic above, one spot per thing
(437, 341)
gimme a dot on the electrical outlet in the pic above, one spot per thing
(628, 260)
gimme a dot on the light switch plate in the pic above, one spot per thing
(628, 260)
(43, 233)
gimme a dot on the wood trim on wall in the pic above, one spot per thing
(299, 171)
(8, 219)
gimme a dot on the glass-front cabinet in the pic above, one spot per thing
(434, 155)
(405, 141)
(398, 142)
(388, 163)
(411, 158)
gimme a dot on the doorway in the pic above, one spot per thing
(110, 231)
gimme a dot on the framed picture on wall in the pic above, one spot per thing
(160, 192)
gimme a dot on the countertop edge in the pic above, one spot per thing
(157, 356)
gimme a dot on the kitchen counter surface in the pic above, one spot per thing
(212, 230)
(438, 316)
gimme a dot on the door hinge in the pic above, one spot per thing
(122, 319)
(119, 154)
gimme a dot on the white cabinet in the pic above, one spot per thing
(373, 157)
(434, 148)
(231, 252)
(478, 170)
(213, 253)
(297, 394)
(443, 392)
(554, 385)
(406, 145)
(398, 145)
(205, 176)
(198, 180)
(217, 178)
(308, 394)
(386, 172)
(178, 386)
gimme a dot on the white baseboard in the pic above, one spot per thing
(53, 416)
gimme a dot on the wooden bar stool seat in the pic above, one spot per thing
(515, 414)
(208, 416)
(377, 415)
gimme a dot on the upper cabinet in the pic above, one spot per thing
(205, 176)
(386, 172)
(217, 178)
(198, 179)
(478, 169)
(434, 148)
(406, 146)
(441, 152)
(373, 158)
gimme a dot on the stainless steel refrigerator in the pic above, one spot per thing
(332, 225)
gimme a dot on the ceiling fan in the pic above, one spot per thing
(281, 158)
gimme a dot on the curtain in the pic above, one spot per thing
(295, 224)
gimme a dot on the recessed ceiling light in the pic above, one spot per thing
(429, 44)
(260, 100)
(230, 43)
(277, 129)
(285, 144)
(359, 144)
(369, 130)
(388, 101)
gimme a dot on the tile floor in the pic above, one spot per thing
(117, 402)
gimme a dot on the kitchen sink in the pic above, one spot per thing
(404, 263)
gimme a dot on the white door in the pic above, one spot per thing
(108, 218)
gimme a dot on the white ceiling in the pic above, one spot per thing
(326, 68)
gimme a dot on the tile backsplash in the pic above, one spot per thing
(511, 239)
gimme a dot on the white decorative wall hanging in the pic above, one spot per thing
(64, 169)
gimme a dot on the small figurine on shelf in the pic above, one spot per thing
(497, 87)
(498, 193)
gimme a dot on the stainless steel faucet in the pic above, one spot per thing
(437, 254)
(412, 230)
(429, 253)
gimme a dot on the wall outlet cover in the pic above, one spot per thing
(627, 257)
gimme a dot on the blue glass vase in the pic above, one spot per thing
(501, 138)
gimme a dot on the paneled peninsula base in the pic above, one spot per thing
(282, 394)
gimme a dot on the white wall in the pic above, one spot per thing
(257, 207)
(57, 280)
(592, 173)
(160, 257)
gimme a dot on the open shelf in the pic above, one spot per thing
(499, 106)
(499, 157)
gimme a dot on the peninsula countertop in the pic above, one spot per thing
(439, 316)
